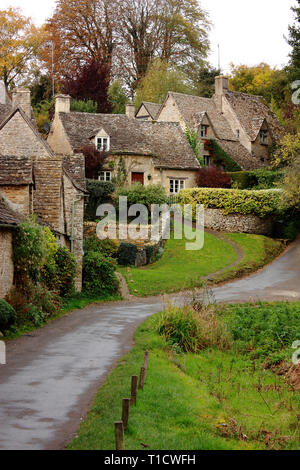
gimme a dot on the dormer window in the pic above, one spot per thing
(102, 144)
(263, 137)
(237, 133)
(204, 131)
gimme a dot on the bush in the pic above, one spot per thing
(8, 316)
(126, 255)
(147, 195)
(99, 274)
(106, 247)
(99, 193)
(256, 179)
(192, 331)
(212, 178)
(66, 269)
(234, 201)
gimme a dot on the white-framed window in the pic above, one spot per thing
(176, 185)
(102, 144)
(105, 176)
(263, 135)
(206, 159)
(203, 131)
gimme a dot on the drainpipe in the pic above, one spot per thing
(73, 221)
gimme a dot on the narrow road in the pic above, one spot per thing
(52, 375)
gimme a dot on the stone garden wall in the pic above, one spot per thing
(214, 219)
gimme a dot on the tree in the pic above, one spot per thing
(176, 31)
(94, 160)
(89, 82)
(117, 97)
(160, 78)
(294, 42)
(204, 79)
(82, 31)
(20, 42)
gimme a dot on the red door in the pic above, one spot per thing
(137, 178)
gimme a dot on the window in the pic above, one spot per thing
(102, 144)
(176, 186)
(237, 133)
(105, 176)
(206, 159)
(263, 137)
(204, 131)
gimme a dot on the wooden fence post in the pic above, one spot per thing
(146, 361)
(134, 384)
(125, 412)
(119, 433)
(142, 378)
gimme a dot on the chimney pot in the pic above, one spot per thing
(221, 84)
(62, 104)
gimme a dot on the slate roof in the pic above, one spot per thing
(152, 108)
(7, 215)
(75, 169)
(192, 109)
(163, 141)
(240, 155)
(5, 109)
(15, 170)
(251, 111)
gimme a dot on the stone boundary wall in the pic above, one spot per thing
(214, 219)
(6, 262)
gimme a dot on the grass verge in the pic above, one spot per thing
(216, 399)
(179, 270)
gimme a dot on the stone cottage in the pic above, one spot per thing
(242, 124)
(152, 152)
(148, 111)
(33, 180)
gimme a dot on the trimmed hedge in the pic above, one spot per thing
(99, 274)
(234, 201)
(255, 179)
(127, 254)
(147, 195)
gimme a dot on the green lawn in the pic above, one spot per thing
(179, 269)
(212, 400)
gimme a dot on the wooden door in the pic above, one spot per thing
(137, 178)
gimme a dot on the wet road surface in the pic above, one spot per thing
(52, 375)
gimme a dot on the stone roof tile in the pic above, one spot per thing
(15, 170)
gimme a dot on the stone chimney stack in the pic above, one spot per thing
(3, 94)
(221, 85)
(22, 98)
(62, 104)
(130, 110)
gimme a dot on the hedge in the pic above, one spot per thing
(99, 193)
(256, 179)
(234, 201)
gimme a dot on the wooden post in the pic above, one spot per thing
(125, 412)
(146, 361)
(142, 378)
(119, 433)
(134, 384)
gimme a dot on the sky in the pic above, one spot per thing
(249, 32)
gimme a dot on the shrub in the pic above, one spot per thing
(147, 195)
(99, 274)
(99, 193)
(126, 255)
(212, 178)
(66, 269)
(193, 331)
(8, 316)
(106, 247)
(256, 179)
(234, 201)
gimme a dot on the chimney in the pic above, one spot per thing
(3, 94)
(22, 98)
(130, 110)
(221, 84)
(62, 104)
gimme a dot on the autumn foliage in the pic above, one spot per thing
(212, 177)
(94, 161)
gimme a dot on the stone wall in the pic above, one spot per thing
(6, 262)
(214, 219)
(19, 196)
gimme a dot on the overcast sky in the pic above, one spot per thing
(249, 32)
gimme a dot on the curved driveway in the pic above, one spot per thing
(52, 375)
